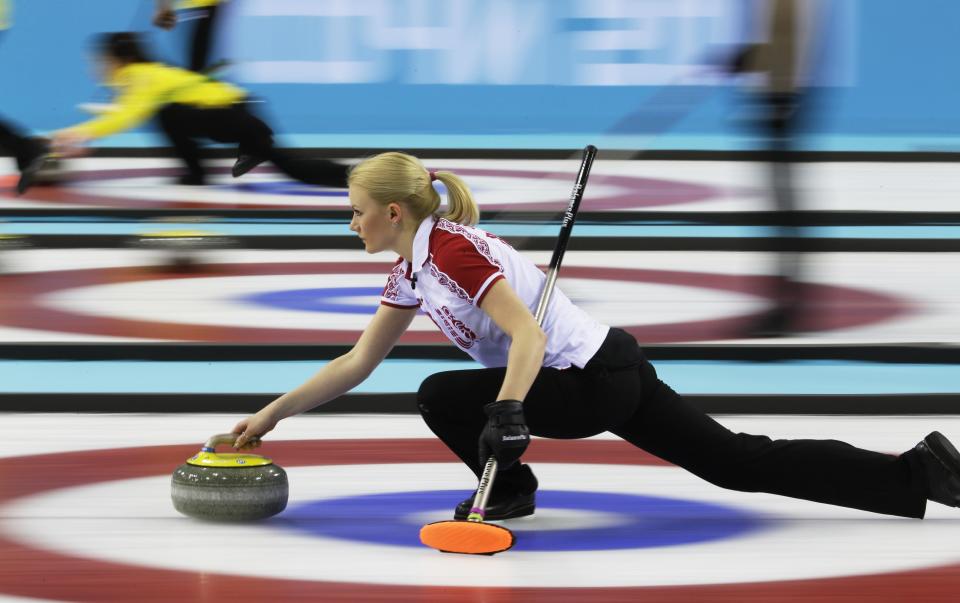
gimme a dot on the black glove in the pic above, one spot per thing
(505, 435)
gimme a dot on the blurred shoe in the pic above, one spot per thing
(31, 164)
(245, 163)
(941, 464)
(507, 507)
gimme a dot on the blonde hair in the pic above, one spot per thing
(400, 178)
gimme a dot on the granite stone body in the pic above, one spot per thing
(229, 493)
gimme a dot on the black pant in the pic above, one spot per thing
(619, 391)
(14, 142)
(185, 124)
(784, 117)
(202, 39)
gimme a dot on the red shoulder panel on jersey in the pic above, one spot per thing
(463, 257)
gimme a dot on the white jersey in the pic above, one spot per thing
(454, 266)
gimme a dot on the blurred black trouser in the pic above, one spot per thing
(633, 403)
(185, 124)
(202, 40)
(14, 142)
(784, 118)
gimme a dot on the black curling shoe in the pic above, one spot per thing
(32, 164)
(245, 163)
(941, 463)
(509, 507)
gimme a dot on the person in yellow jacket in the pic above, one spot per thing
(189, 106)
(30, 153)
(206, 16)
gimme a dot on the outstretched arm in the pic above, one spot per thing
(335, 379)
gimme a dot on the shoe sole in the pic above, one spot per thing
(29, 173)
(943, 451)
(523, 511)
(237, 173)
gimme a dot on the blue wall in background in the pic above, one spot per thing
(513, 73)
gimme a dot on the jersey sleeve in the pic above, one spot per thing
(398, 293)
(138, 99)
(469, 261)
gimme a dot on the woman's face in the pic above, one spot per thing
(371, 221)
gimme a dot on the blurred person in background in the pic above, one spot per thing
(205, 14)
(30, 153)
(779, 107)
(189, 106)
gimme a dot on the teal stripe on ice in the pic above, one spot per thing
(135, 230)
(690, 377)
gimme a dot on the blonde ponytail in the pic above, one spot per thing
(400, 178)
(461, 207)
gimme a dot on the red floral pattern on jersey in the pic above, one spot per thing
(450, 284)
(392, 290)
(482, 246)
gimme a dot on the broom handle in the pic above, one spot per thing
(478, 510)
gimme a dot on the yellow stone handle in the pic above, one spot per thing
(223, 438)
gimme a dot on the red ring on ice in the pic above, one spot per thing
(633, 192)
(28, 571)
(22, 305)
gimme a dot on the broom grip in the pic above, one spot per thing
(479, 509)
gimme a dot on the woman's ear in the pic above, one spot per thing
(394, 212)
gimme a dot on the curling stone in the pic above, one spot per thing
(182, 246)
(10, 242)
(13, 241)
(228, 487)
(53, 172)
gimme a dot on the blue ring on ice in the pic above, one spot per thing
(327, 299)
(647, 521)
